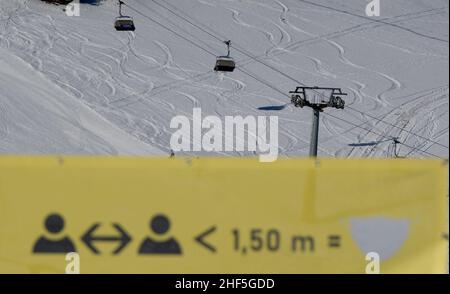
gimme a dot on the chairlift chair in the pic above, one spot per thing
(124, 23)
(225, 63)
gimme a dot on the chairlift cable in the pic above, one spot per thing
(384, 136)
(288, 76)
(266, 83)
(398, 127)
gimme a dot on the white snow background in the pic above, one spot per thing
(73, 85)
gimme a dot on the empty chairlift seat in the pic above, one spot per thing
(225, 63)
(124, 23)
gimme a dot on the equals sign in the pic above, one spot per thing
(334, 241)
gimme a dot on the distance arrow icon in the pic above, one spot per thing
(200, 239)
(88, 238)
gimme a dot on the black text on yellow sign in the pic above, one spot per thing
(135, 215)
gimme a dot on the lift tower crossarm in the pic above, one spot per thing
(300, 99)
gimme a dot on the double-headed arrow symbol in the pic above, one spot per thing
(88, 238)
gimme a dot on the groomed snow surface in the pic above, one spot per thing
(73, 85)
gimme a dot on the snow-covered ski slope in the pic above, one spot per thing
(40, 117)
(73, 85)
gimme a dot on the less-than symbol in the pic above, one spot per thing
(88, 238)
(200, 239)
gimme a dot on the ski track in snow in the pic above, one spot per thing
(139, 81)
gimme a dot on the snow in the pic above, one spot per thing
(73, 85)
(40, 117)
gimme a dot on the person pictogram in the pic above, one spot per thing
(160, 225)
(54, 224)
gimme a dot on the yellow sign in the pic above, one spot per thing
(141, 215)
